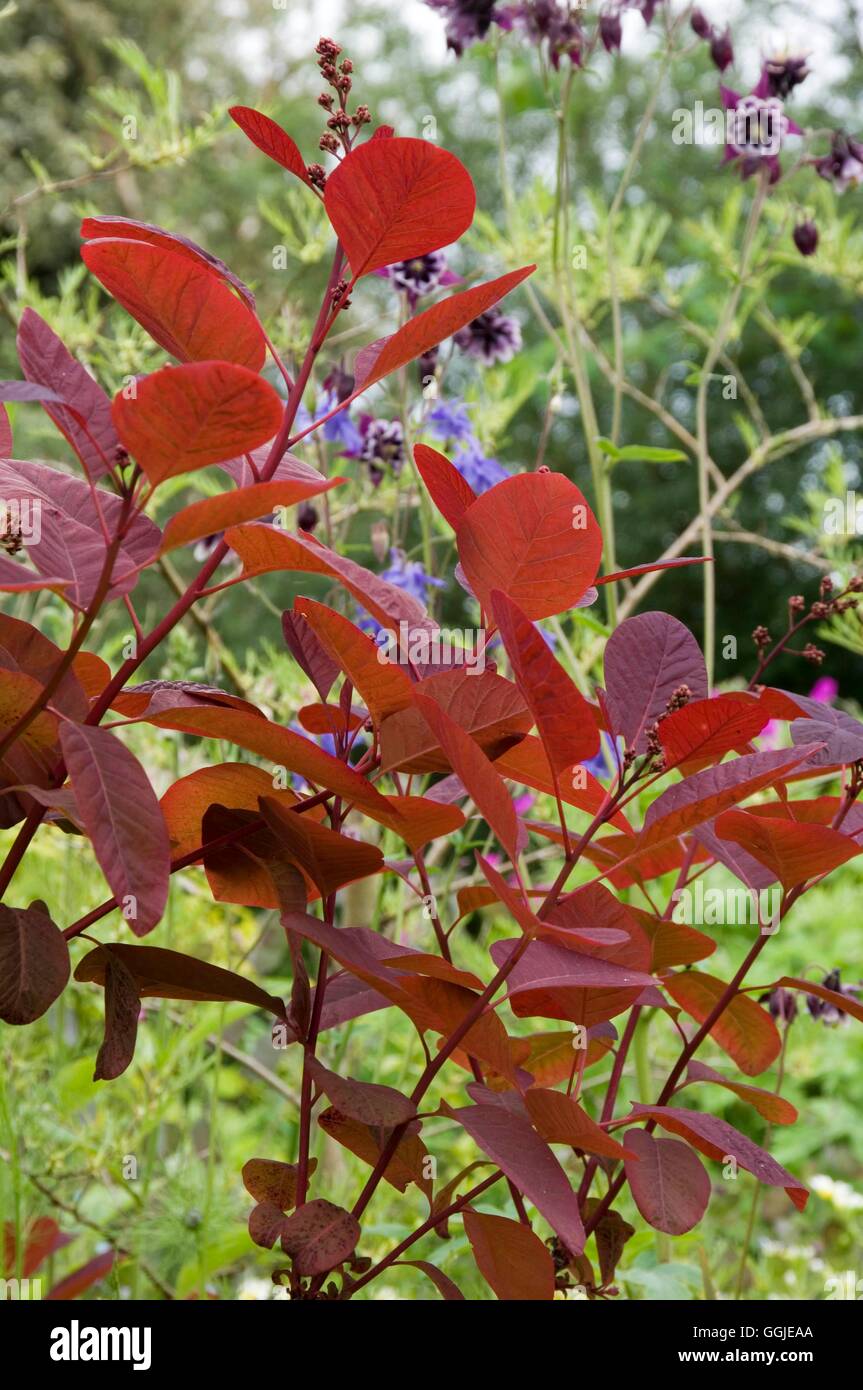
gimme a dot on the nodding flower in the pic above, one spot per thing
(825, 1012)
(492, 337)
(467, 21)
(756, 130)
(783, 73)
(843, 166)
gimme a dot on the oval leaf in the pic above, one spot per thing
(511, 1257)
(669, 1182)
(34, 963)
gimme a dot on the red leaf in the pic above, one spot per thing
(389, 200)
(330, 859)
(509, 1140)
(793, 851)
(34, 963)
(267, 1180)
(212, 514)
(560, 1120)
(745, 1031)
(552, 982)
(652, 568)
(720, 1140)
(45, 360)
(281, 747)
(123, 819)
(534, 537)
(450, 492)
(418, 819)
(42, 1238)
(82, 1279)
(563, 717)
(71, 542)
(265, 548)
(476, 772)
(180, 303)
(122, 1007)
(15, 579)
(183, 418)
(481, 703)
(427, 329)
(705, 730)
(162, 974)
(309, 653)
(669, 1182)
(237, 786)
(318, 1236)
(383, 686)
(127, 229)
(527, 764)
(767, 1103)
(646, 660)
(706, 794)
(409, 1162)
(511, 1257)
(268, 135)
(442, 1282)
(361, 1100)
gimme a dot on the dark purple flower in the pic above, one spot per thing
(307, 517)
(466, 20)
(611, 30)
(806, 238)
(383, 446)
(648, 9)
(419, 275)
(781, 1003)
(722, 49)
(493, 337)
(756, 130)
(701, 24)
(843, 166)
(546, 21)
(825, 1011)
(784, 74)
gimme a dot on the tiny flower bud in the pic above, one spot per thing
(722, 49)
(307, 517)
(806, 238)
(701, 24)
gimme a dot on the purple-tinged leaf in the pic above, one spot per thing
(512, 1143)
(449, 1291)
(669, 1182)
(318, 1236)
(362, 1100)
(34, 963)
(123, 820)
(720, 1140)
(646, 660)
(122, 1008)
(88, 427)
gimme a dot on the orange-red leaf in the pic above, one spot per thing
(183, 418)
(563, 717)
(268, 135)
(744, 1030)
(534, 537)
(451, 493)
(794, 851)
(384, 686)
(212, 514)
(511, 1257)
(181, 303)
(392, 199)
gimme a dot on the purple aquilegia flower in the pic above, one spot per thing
(341, 428)
(411, 576)
(843, 166)
(822, 1009)
(449, 421)
(781, 1003)
(611, 30)
(466, 20)
(383, 446)
(546, 21)
(492, 337)
(479, 472)
(420, 275)
(783, 74)
(756, 130)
